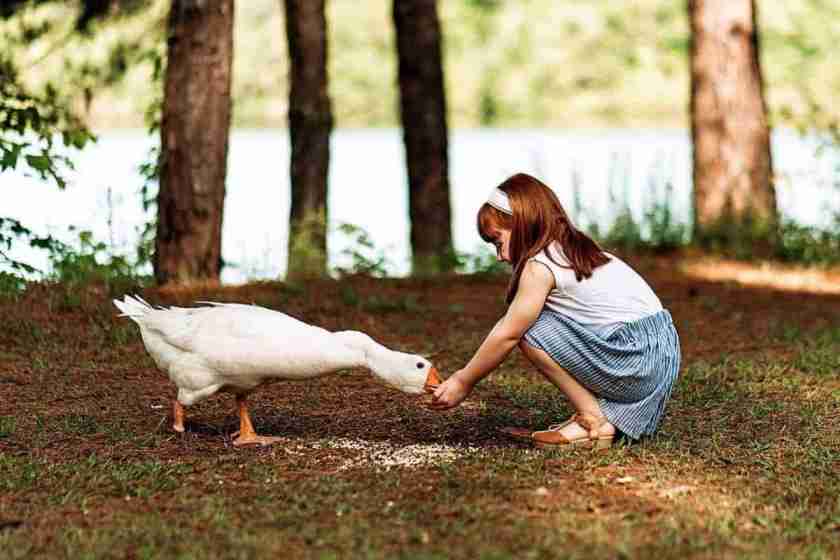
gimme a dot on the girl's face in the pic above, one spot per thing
(501, 240)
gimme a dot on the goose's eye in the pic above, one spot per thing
(419, 365)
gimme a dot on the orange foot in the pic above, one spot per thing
(254, 439)
(178, 414)
(246, 433)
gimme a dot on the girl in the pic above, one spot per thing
(586, 320)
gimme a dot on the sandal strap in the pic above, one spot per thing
(561, 425)
(591, 423)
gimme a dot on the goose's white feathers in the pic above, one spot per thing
(237, 347)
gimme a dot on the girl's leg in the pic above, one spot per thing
(581, 398)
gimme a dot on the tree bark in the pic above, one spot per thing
(194, 141)
(734, 195)
(423, 112)
(310, 126)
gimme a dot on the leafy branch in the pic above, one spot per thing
(29, 127)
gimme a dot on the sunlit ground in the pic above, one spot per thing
(767, 275)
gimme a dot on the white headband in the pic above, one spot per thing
(498, 199)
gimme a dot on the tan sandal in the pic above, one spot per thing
(552, 438)
(526, 434)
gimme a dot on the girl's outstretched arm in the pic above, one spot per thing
(534, 285)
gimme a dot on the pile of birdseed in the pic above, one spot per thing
(385, 455)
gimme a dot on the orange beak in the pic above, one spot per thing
(432, 380)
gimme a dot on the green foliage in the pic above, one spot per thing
(820, 354)
(657, 232)
(658, 229)
(796, 51)
(7, 426)
(29, 125)
(809, 245)
(624, 233)
(482, 262)
(741, 236)
(665, 232)
(93, 263)
(433, 264)
(348, 295)
(87, 11)
(535, 63)
(494, 50)
(11, 285)
(607, 57)
(365, 258)
(378, 304)
(12, 230)
(150, 168)
(93, 10)
(150, 172)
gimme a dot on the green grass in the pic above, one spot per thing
(820, 355)
(746, 464)
(7, 426)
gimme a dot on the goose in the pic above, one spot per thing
(235, 348)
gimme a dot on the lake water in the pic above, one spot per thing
(367, 187)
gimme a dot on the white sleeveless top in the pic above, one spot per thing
(614, 293)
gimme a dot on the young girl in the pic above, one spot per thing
(586, 320)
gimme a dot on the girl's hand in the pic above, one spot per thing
(450, 393)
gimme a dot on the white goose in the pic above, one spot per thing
(235, 348)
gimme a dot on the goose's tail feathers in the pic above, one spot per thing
(133, 306)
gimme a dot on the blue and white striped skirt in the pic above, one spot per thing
(631, 369)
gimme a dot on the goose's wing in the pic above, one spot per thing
(184, 327)
(176, 326)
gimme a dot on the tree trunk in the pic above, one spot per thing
(194, 141)
(310, 125)
(423, 112)
(734, 195)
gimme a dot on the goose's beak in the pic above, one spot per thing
(432, 380)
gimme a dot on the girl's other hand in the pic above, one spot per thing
(450, 393)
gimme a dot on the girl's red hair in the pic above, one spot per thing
(538, 220)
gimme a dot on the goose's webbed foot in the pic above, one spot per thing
(246, 433)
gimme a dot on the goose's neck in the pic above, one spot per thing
(384, 364)
(373, 351)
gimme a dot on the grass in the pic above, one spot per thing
(745, 465)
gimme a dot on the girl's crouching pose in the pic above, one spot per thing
(588, 322)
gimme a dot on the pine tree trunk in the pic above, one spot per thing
(310, 125)
(194, 141)
(734, 195)
(423, 111)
